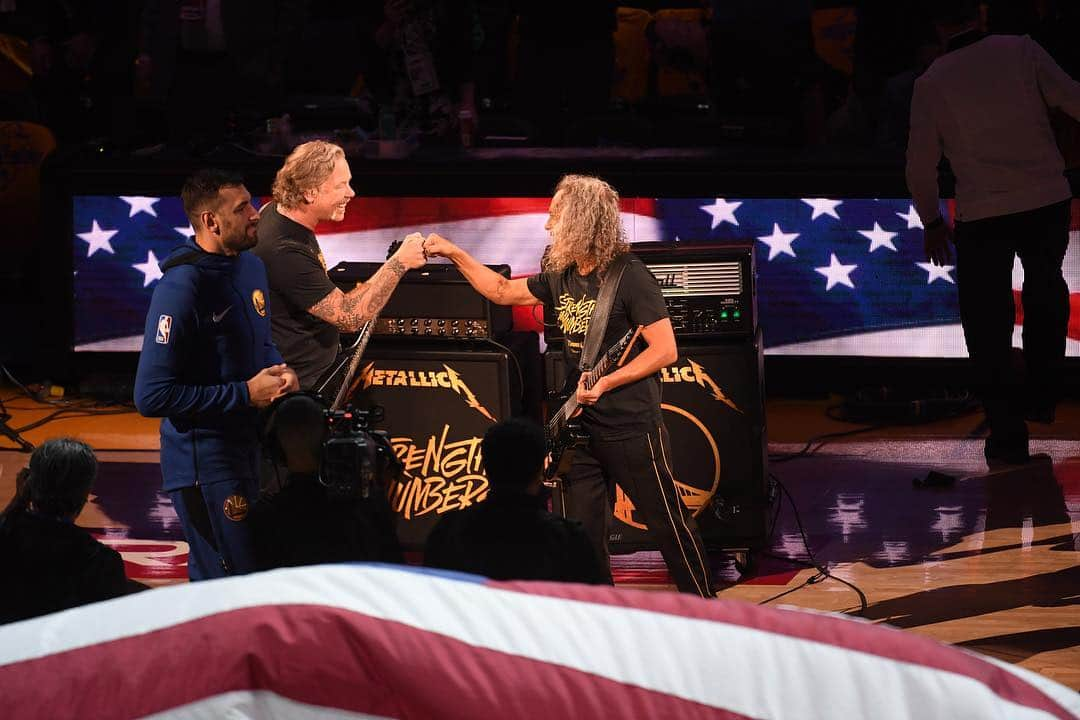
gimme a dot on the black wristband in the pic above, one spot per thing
(935, 223)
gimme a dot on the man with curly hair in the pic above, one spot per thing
(307, 311)
(628, 444)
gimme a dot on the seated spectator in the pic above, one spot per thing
(46, 561)
(511, 535)
(307, 523)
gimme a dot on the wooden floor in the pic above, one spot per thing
(991, 563)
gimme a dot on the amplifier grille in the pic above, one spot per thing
(697, 279)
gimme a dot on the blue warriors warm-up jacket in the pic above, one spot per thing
(207, 333)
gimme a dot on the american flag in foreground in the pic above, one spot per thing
(366, 641)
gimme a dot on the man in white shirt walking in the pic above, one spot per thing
(985, 106)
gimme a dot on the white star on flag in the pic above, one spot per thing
(935, 272)
(779, 242)
(912, 217)
(879, 238)
(822, 206)
(140, 204)
(186, 230)
(98, 239)
(722, 211)
(836, 273)
(150, 269)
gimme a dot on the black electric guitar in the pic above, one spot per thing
(562, 433)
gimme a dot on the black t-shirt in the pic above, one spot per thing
(303, 525)
(297, 274)
(49, 565)
(630, 409)
(512, 536)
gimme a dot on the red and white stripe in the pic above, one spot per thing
(378, 641)
(493, 230)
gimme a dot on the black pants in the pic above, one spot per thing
(640, 466)
(985, 251)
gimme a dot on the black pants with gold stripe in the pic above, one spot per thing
(640, 465)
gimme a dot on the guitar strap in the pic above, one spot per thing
(605, 299)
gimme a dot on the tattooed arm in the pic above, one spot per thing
(349, 311)
(484, 280)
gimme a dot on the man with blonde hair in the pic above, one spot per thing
(628, 443)
(308, 312)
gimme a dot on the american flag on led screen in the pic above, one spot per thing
(835, 276)
(364, 641)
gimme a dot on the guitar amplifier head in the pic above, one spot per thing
(435, 301)
(710, 289)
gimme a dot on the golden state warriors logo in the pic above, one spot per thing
(697, 445)
(259, 301)
(446, 378)
(573, 317)
(235, 507)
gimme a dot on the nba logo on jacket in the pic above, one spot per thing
(164, 329)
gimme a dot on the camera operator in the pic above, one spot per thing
(325, 512)
(511, 535)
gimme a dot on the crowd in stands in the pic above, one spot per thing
(555, 72)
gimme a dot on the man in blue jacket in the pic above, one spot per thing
(207, 365)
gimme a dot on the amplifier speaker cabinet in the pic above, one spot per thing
(713, 407)
(436, 407)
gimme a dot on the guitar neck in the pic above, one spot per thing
(619, 353)
(354, 363)
(571, 405)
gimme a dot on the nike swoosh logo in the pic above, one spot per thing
(218, 317)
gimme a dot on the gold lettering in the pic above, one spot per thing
(433, 460)
(439, 476)
(573, 315)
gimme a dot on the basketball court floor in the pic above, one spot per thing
(990, 562)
